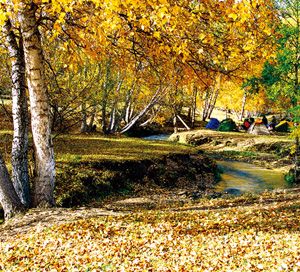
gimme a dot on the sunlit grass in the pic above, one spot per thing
(93, 148)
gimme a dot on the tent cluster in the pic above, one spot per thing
(260, 126)
(226, 125)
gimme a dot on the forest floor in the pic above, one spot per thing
(254, 233)
(161, 229)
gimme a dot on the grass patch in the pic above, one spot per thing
(85, 148)
(235, 155)
(91, 167)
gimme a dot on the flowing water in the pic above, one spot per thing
(240, 177)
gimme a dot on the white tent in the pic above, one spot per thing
(258, 129)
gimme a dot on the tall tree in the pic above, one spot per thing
(44, 172)
(19, 157)
(281, 75)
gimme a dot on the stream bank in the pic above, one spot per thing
(267, 151)
(103, 182)
(249, 163)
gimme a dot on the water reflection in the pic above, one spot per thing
(158, 137)
(240, 177)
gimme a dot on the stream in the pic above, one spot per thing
(158, 137)
(240, 177)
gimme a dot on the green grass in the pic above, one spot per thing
(90, 167)
(84, 148)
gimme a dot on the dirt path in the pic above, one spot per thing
(37, 219)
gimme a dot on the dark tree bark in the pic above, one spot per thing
(8, 197)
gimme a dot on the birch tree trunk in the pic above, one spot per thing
(211, 96)
(175, 125)
(243, 107)
(114, 108)
(194, 106)
(155, 98)
(84, 126)
(92, 118)
(8, 197)
(215, 95)
(297, 162)
(43, 183)
(103, 117)
(19, 155)
(207, 99)
(213, 103)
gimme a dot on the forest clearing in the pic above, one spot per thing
(141, 135)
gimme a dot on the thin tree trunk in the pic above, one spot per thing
(181, 120)
(138, 116)
(152, 117)
(113, 112)
(8, 197)
(297, 162)
(128, 113)
(84, 126)
(175, 126)
(243, 107)
(207, 100)
(194, 107)
(43, 183)
(103, 118)
(215, 94)
(213, 103)
(142, 113)
(92, 119)
(103, 109)
(19, 156)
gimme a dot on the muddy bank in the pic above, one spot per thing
(84, 183)
(269, 151)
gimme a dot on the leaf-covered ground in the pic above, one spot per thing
(243, 234)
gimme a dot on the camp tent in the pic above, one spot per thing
(227, 125)
(283, 126)
(213, 124)
(258, 128)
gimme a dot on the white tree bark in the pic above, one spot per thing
(243, 106)
(19, 156)
(43, 183)
(154, 99)
(84, 126)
